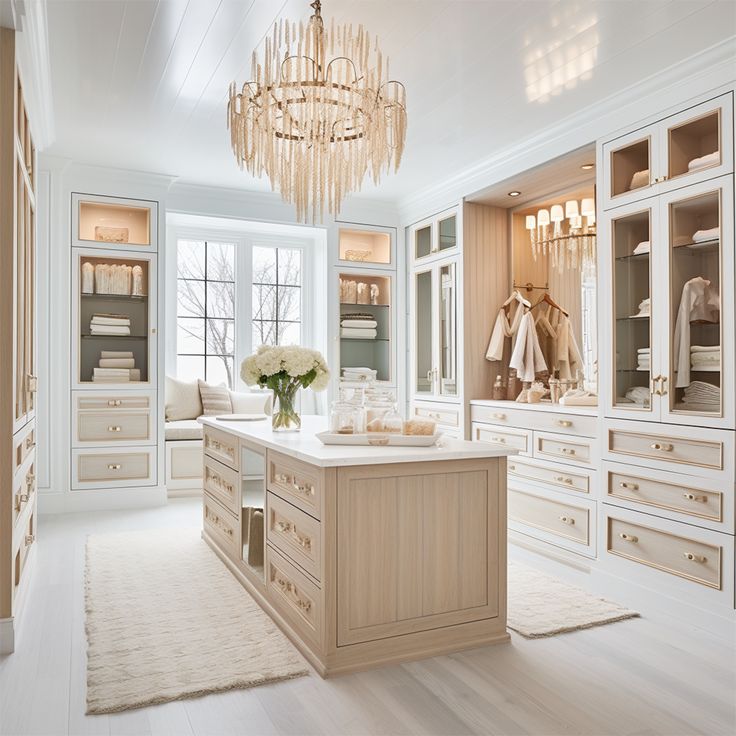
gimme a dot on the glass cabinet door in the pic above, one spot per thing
(448, 329)
(633, 353)
(629, 165)
(424, 327)
(422, 242)
(447, 233)
(696, 387)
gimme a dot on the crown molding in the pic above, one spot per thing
(642, 102)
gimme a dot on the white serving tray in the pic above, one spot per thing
(379, 439)
(241, 417)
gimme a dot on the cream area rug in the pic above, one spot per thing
(165, 620)
(541, 605)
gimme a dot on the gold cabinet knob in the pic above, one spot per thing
(563, 479)
(567, 520)
(30, 539)
(567, 451)
(114, 428)
(694, 497)
(499, 416)
(694, 558)
(628, 537)
(500, 440)
(563, 423)
(114, 466)
(661, 446)
(629, 486)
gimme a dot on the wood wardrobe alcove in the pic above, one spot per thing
(17, 344)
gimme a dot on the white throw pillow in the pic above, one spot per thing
(182, 400)
(253, 402)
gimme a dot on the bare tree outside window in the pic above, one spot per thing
(206, 305)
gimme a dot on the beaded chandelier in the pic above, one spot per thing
(318, 115)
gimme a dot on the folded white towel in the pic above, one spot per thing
(110, 320)
(110, 372)
(644, 350)
(109, 330)
(712, 234)
(643, 247)
(704, 348)
(710, 159)
(116, 354)
(360, 323)
(117, 363)
(640, 179)
(359, 369)
(356, 332)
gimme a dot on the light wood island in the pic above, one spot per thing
(363, 555)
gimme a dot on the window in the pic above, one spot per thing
(206, 311)
(215, 276)
(277, 296)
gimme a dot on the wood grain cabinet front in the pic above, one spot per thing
(222, 483)
(296, 534)
(222, 446)
(297, 482)
(222, 526)
(113, 468)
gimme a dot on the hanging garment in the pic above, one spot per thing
(547, 324)
(699, 301)
(569, 360)
(501, 330)
(527, 356)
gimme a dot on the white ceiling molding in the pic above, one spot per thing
(32, 52)
(698, 76)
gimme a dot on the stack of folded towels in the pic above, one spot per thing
(705, 357)
(640, 179)
(358, 377)
(644, 307)
(643, 247)
(109, 324)
(700, 396)
(359, 325)
(710, 159)
(116, 366)
(643, 356)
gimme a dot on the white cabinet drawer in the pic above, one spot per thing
(91, 400)
(113, 427)
(447, 415)
(113, 468)
(552, 517)
(516, 439)
(569, 479)
(578, 451)
(545, 421)
(24, 487)
(687, 498)
(296, 535)
(222, 483)
(697, 451)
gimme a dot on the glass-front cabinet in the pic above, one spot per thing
(670, 306)
(437, 236)
(114, 319)
(687, 148)
(434, 331)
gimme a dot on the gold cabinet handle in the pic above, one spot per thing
(567, 520)
(20, 499)
(662, 382)
(114, 466)
(282, 478)
(629, 486)
(30, 539)
(114, 402)
(563, 423)
(694, 558)
(563, 479)
(500, 440)
(30, 444)
(694, 497)
(512, 467)
(628, 537)
(31, 383)
(499, 416)
(661, 446)
(283, 526)
(567, 451)
(30, 480)
(114, 428)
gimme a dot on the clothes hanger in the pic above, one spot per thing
(547, 299)
(516, 296)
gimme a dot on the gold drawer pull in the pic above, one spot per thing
(30, 444)
(115, 466)
(661, 446)
(694, 558)
(114, 428)
(567, 451)
(32, 383)
(629, 486)
(562, 479)
(512, 467)
(499, 416)
(500, 440)
(434, 415)
(563, 423)
(304, 541)
(114, 402)
(567, 520)
(283, 526)
(20, 499)
(628, 537)
(694, 497)
(30, 539)
(30, 480)
(282, 478)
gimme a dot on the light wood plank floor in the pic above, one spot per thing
(640, 677)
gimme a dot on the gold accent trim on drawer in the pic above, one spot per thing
(683, 557)
(665, 448)
(222, 447)
(292, 590)
(634, 488)
(296, 534)
(295, 482)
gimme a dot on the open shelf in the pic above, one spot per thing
(625, 163)
(691, 141)
(364, 246)
(114, 224)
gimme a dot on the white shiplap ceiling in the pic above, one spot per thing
(142, 84)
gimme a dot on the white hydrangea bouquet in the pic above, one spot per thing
(285, 370)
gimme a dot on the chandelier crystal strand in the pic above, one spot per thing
(319, 114)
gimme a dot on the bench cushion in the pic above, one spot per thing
(184, 429)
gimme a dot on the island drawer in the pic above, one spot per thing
(447, 415)
(546, 421)
(297, 482)
(681, 554)
(222, 446)
(561, 518)
(516, 439)
(578, 451)
(222, 483)
(221, 526)
(580, 480)
(296, 534)
(294, 596)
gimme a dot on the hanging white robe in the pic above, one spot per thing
(569, 359)
(527, 356)
(501, 330)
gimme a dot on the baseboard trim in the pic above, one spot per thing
(104, 499)
(7, 635)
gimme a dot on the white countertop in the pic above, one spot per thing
(583, 411)
(305, 446)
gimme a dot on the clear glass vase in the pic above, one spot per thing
(285, 417)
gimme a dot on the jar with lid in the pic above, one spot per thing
(375, 413)
(346, 418)
(393, 422)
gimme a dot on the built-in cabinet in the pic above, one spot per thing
(18, 355)
(114, 343)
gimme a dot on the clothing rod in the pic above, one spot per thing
(529, 286)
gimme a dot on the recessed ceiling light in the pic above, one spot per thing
(587, 167)
(514, 194)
